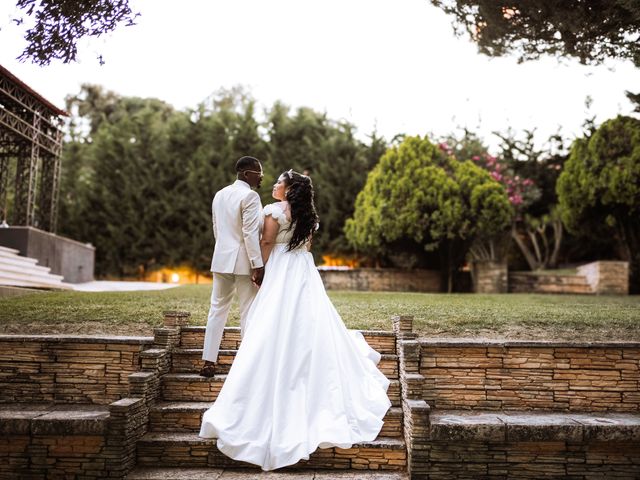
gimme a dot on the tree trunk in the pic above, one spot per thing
(524, 249)
(557, 242)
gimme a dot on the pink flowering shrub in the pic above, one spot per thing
(522, 192)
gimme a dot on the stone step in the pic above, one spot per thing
(191, 387)
(193, 337)
(212, 473)
(528, 426)
(187, 417)
(166, 449)
(189, 360)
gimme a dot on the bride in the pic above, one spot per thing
(300, 380)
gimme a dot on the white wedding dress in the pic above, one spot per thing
(300, 380)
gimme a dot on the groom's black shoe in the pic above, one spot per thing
(209, 370)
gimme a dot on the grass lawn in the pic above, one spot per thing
(511, 316)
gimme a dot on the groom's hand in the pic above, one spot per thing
(257, 276)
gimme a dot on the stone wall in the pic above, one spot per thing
(526, 410)
(489, 277)
(382, 280)
(536, 282)
(66, 368)
(494, 375)
(606, 277)
(462, 458)
(76, 406)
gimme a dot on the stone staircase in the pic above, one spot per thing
(19, 271)
(172, 442)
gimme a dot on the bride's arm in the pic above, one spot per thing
(268, 240)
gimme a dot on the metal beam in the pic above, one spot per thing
(29, 133)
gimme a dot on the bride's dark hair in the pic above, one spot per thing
(304, 219)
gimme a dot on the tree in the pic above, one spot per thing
(141, 176)
(599, 188)
(337, 162)
(533, 172)
(210, 139)
(591, 31)
(59, 24)
(420, 192)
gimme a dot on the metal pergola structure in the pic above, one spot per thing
(30, 147)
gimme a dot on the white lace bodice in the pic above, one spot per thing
(278, 214)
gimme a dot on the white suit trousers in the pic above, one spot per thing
(224, 285)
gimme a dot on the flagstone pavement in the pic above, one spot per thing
(227, 474)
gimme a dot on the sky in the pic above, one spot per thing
(385, 65)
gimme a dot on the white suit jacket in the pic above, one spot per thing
(236, 212)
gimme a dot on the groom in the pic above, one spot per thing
(236, 213)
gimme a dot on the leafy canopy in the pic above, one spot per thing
(59, 24)
(419, 192)
(599, 189)
(601, 180)
(591, 31)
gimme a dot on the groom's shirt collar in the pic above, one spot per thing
(242, 183)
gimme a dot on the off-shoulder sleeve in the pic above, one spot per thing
(276, 212)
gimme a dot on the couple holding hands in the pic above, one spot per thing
(300, 379)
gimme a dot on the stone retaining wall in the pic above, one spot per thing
(533, 460)
(607, 278)
(382, 280)
(498, 375)
(490, 277)
(68, 369)
(75, 406)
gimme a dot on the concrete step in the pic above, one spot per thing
(191, 387)
(8, 251)
(189, 360)
(10, 281)
(165, 449)
(17, 266)
(12, 259)
(29, 276)
(18, 271)
(23, 268)
(187, 417)
(212, 473)
(193, 337)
